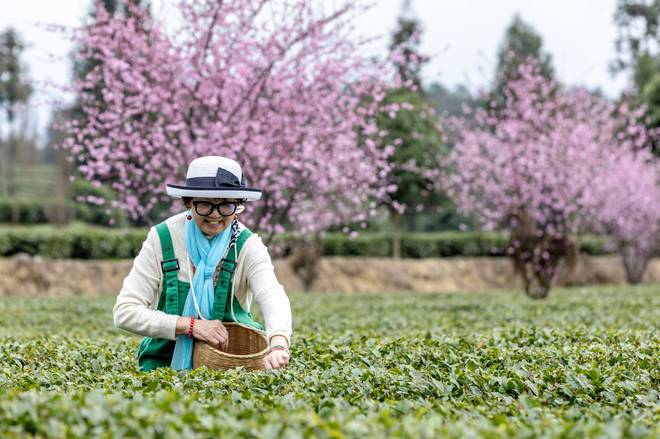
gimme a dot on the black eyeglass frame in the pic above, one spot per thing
(216, 206)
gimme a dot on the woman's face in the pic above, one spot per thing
(213, 223)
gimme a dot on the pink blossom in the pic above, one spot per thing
(540, 165)
(281, 89)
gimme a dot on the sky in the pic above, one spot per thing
(461, 36)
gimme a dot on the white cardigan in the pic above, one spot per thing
(135, 309)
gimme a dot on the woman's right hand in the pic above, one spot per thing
(213, 332)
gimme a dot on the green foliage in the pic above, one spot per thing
(76, 241)
(372, 244)
(406, 39)
(450, 102)
(413, 128)
(646, 78)
(420, 143)
(97, 214)
(22, 210)
(14, 87)
(646, 68)
(80, 241)
(40, 211)
(638, 23)
(473, 365)
(650, 96)
(417, 245)
(427, 245)
(595, 245)
(37, 205)
(521, 42)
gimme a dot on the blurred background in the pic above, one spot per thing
(454, 60)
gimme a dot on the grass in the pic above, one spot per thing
(583, 363)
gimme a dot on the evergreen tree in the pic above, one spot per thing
(638, 49)
(410, 122)
(406, 40)
(82, 67)
(521, 42)
(14, 89)
(638, 22)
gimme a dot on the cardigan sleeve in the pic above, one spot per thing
(134, 309)
(267, 291)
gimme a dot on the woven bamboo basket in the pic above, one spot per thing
(247, 349)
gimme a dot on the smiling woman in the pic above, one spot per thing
(203, 213)
(201, 268)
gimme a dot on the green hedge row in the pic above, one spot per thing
(437, 244)
(25, 211)
(85, 242)
(71, 242)
(34, 211)
(417, 245)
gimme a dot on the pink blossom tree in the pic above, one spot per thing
(628, 208)
(531, 168)
(281, 88)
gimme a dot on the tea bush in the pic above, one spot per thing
(583, 363)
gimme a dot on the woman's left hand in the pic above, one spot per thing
(277, 359)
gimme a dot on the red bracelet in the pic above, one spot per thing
(192, 323)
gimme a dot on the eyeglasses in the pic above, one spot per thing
(206, 208)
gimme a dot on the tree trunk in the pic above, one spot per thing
(305, 260)
(635, 262)
(4, 159)
(536, 288)
(538, 283)
(395, 221)
(63, 213)
(538, 257)
(12, 152)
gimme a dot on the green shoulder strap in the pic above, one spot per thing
(225, 278)
(170, 266)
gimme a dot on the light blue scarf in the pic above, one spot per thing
(205, 254)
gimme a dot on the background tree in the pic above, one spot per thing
(638, 23)
(411, 125)
(450, 102)
(82, 66)
(628, 208)
(271, 84)
(521, 43)
(638, 50)
(405, 42)
(14, 89)
(95, 196)
(532, 168)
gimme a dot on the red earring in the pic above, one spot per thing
(189, 217)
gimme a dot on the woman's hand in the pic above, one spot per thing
(277, 359)
(213, 332)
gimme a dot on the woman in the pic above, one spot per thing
(199, 268)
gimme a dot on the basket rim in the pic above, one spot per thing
(244, 357)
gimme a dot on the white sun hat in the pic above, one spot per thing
(214, 177)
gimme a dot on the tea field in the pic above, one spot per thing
(584, 363)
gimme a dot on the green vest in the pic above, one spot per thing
(157, 352)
